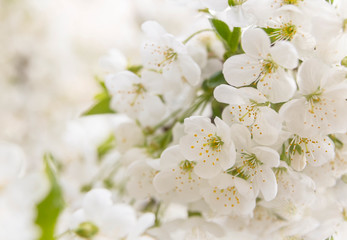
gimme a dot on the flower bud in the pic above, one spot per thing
(86, 230)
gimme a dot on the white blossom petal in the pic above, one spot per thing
(240, 70)
(256, 43)
(285, 54)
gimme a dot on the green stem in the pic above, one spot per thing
(196, 33)
(162, 123)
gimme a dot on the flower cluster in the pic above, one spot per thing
(237, 130)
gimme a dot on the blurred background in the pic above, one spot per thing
(50, 51)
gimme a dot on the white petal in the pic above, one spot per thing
(171, 157)
(311, 73)
(321, 150)
(190, 69)
(153, 29)
(12, 162)
(152, 110)
(237, 96)
(121, 81)
(240, 70)
(77, 218)
(256, 43)
(217, 5)
(196, 123)
(190, 148)
(244, 187)
(222, 181)
(241, 136)
(145, 221)
(164, 181)
(277, 87)
(267, 126)
(227, 157)
(268, 186)
(267, 155)
(295, 108)
(115, 61)
(228, 94)
(207, 170)
(237, 17)
(285, 54)
(96, 202)
(298, 161)
(119, 221)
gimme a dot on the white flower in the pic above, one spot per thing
(263, 64)
(248, 107)
(177, 178)
(130, 95)
(290, 23)
(12, 163)
(254, 163)
(128, 135)
(163, 53)
(330, 30)
(114, 221)
(193, 228)
(229, 195)
(209, 145)
(114, 61)
(141, 173)
(321, 109)
(295, 193)
(241, 13)
(313, 150)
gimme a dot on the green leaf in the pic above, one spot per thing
(49, 209)
(270, 32)
(217, 108)
(222, 29)
(214, 81)
(231, 39)
(135, 68)
(106, 146)
(277, 106)
(235, 39)
(231, 2)
(101, 107)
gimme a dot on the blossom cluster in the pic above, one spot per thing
(236, 130)
(239, 127)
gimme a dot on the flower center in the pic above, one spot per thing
(139, 88)
(187, 166)
(288, 31)
(236, 2)
(285, 32)
(169, 56)
(269, 66)
(248, 166)
(215, 143)
(250, 160)
(314, 98)
(293, 2)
